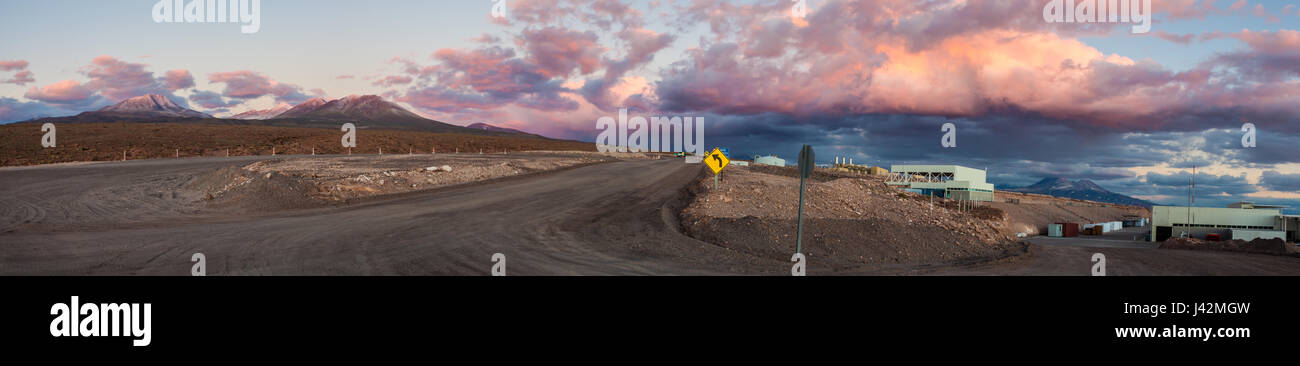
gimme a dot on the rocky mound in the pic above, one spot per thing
(854, 222)
(1264, 246)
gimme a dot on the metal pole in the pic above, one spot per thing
(799, 232)
(715, 182)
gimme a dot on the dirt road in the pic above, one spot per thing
(102, 219)
(615, 218)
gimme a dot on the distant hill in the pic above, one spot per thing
(493, 128)
(303, 109)
(365, 108)
(269, 113)
(488, 127)
(366, 111)
(144, 108)
(1079, 189)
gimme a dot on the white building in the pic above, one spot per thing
(1246, 217)
(948, 181)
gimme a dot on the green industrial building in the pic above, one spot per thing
(1243, 220)
(947, 181)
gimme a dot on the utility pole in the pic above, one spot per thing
(1187, 226)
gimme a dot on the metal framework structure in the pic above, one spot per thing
(913, 177)
(947, 181)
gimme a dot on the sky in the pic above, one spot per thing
(868, 80)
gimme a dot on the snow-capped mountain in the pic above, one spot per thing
(1079, 189)
(303, 109)
(268, 113)
(151, 105)
(369, 108)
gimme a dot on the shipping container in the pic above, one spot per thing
(1055, 230)
(1069, 229)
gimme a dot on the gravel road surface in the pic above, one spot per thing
(614, 218)
(126, 219)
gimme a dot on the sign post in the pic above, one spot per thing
(716, 160)
(806, 161)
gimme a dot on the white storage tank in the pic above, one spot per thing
(769, 160)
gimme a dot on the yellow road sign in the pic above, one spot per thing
(716, 160)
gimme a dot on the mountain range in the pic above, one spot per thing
(145, 108)
(1079, 189)
(259, 114)
(367, 111)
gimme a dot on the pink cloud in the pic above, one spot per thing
(13, 65)
(414, 69)
(392, 81)
(560, 52)
(1188, 9)
(178, 79)
(65, 92)
(848, 57)
(1259, 11)
(538, 11)
(1280, 40)
(118, 80)
(979, 68)
(484, 78)
(486, 38)
(21, 78)
(211, 100)
(248, 85)
(486, 70)
(346, 76)
(1175, 38)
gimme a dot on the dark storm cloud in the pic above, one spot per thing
(1275, 181)
(1206, 184)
